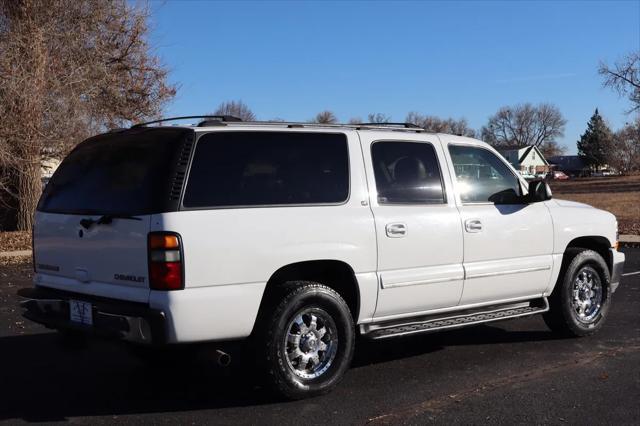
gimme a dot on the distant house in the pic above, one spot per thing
(526, 159)
(47, 168)
(571, 165)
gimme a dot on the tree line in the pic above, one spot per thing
(74, 68)
(515, 126)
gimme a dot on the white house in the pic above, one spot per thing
(525, 159)
(47, 168)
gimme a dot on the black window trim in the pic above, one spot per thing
(182, 207)
(445, 200)
(455, 176)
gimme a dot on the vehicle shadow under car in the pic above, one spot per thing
(43, 380)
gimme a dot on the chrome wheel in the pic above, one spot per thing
(586, 294)
(311, 343)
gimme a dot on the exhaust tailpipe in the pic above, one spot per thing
(222, 358)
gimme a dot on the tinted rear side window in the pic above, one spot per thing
(268, 168)
(407, 172)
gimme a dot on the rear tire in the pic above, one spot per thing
(307, 341)
(580, 302)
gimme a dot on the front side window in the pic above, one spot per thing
(407, 173)
(482, 177)
(268, 168)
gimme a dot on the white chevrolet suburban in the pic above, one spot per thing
(299, 237)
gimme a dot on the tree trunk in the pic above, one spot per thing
(29, 190)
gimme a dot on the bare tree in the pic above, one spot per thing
(69, 68)
(439, 125)
(624, 78)
(355, 120)
(237, 109)
(526, 124)
(624, 154)
(552, 149)
(325, 117)
(378, 117)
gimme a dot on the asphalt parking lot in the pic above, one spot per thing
(509, 372)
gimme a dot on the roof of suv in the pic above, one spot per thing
(209, 123)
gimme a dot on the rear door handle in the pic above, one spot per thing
(473, 225)
(396, 230)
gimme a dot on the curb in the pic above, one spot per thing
(16, 253)
(629, 241)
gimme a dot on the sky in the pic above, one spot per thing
(291, 60)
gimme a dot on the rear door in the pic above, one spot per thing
(418, 229)
(92, 221)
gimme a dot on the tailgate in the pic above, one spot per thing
(106, 259)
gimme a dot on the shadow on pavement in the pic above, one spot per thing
(377, 351)
(45, 381)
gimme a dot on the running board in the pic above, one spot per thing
(450, 320)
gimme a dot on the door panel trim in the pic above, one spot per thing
(513, 271)
(420, 282)
(421, 276)
(515, 265)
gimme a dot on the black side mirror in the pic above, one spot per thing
(539, 191)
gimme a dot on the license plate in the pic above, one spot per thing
(80, 312)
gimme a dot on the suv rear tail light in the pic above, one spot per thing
(166, 270)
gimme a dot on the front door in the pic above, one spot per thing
(417, 226)
(508, 243)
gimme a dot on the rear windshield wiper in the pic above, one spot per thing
(105, 219)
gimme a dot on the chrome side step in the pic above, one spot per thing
(450, 320)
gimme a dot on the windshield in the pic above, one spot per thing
(117, 173)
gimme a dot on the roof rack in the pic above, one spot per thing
(383, 124)
(222, 120)
(209, 119)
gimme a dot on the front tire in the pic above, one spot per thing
(308, 341)
(580, 302)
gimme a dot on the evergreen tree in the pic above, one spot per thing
(595, 143)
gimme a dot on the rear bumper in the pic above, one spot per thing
(129, 321)
(617, 265)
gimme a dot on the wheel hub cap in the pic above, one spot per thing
(587, 294)
(310, 343)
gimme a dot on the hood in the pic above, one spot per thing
(567, 203)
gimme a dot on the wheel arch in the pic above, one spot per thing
(599, 244)
(335, 274)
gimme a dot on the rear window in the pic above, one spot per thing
(268, 168)
(116, 173)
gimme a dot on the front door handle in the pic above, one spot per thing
(396, 230)
(473, 225)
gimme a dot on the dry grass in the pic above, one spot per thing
(18, 240)
(619, 195)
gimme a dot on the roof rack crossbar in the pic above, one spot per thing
(222, 118)
(382, 124)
